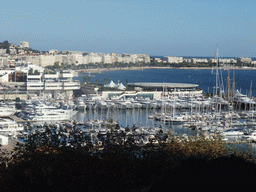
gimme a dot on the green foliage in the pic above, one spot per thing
(30, 71)
(36, 72)
(18, 99)
(56, 65)
(84, 79)
(50, 162)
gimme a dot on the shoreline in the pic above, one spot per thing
(99, 70)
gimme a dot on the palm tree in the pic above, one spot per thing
(105, 80)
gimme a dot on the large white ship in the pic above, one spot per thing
(52, 115)
(6, 111)
(8, 125)
(243, 99)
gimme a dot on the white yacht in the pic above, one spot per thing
(252, 136)
(232, 132)
(8, 125)
(52, 115)
(241, 98)
(6, 111)
(80, 103)
(101, 104)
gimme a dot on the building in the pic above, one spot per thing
(253, 63)
(169, 59)
(244, 60)
(24, 44)
(152, 91)
(53, 52)
(13, 51)
(168, 89)
(187, 60)
(3, 51)
(59, 84)
(197, 60)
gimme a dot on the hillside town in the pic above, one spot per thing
(13, 54)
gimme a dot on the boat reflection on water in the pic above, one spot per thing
(129, 118)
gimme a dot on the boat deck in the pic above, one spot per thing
(17, 119)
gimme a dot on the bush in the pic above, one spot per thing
(48, 164)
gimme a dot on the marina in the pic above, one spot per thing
(178, 108)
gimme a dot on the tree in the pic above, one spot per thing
(37, 72)
(30, 72)
(97, 81)
(105, 80)
(6, 45)
(56, 65)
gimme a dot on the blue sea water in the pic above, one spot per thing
(205, 78)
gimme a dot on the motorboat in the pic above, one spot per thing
(243, 99)
(232, 132)
(52, 115)
(6, 111)
(8, 125)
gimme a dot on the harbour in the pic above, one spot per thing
(179, 108)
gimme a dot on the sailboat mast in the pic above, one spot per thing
(217, 63)
(233, 86)
(228, 83)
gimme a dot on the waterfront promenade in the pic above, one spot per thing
(99, 70)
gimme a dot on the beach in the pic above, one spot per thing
(99, 70)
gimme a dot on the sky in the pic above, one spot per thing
(152, 27)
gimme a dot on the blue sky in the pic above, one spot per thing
(163, 27)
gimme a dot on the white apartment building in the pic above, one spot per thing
(187, 60)
(4, 60)
(3, 51)
(169, 59)
(197, 60)
(244, 60)
(78, 58)
(227, 61)
(13, 51)
(107, 58)
(94, 58)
